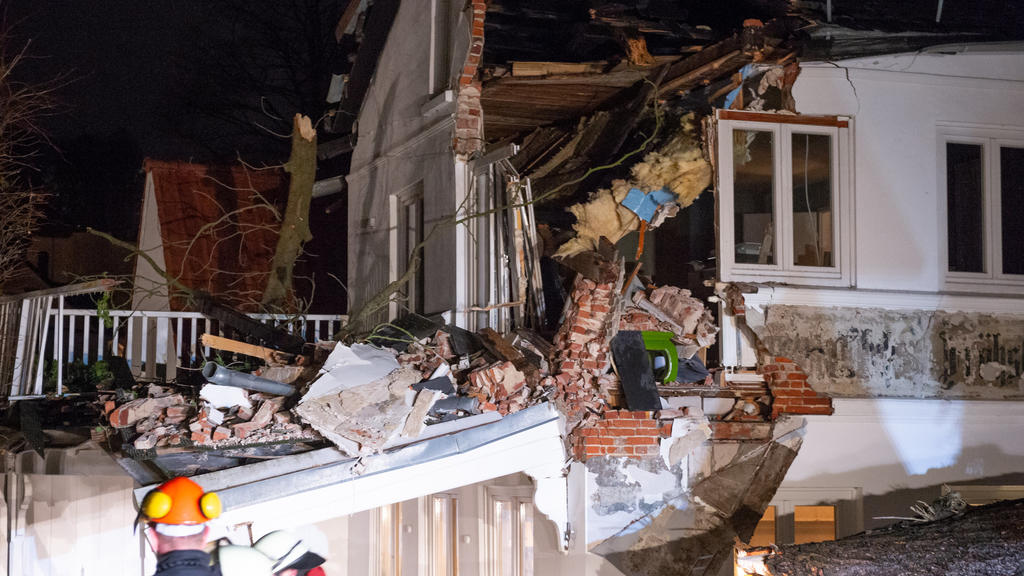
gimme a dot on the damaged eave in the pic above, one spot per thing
(325, 484)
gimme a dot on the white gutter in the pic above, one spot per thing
(316, 486)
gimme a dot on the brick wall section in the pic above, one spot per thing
(621, 433)
(583, 354)
(790, 391)
(469, 126)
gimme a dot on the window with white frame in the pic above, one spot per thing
(803, 515)
(982, 179)
(406, 234)
(387, 538)
(784, 198)
(510, 531)
(442, 537)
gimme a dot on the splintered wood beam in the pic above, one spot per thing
(685, 81)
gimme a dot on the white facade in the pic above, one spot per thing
(891, 442)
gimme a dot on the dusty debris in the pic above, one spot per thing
(361, 419)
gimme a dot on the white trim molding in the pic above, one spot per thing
(884, 299)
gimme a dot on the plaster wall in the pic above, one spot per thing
(404, 145)
(900, 450)
(896, 103)
(908, 353)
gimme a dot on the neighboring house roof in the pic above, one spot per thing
(218, 226)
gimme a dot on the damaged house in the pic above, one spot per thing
(846, 190)
(633, 286)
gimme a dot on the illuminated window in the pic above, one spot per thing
(387, 533)
(784, 198)
(510, 531)
(442, 538)
(799, 516)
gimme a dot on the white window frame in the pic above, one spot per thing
(784, 270)
(398, 203)
(393, 524)
(991, 139)
(429, 533)
(848, 504)
(517, 495)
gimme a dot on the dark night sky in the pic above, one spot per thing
(120, 53)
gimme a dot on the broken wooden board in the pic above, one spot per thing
(229, 345)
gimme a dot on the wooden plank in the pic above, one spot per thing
(229, 345)
(549, 68)
(798, 119)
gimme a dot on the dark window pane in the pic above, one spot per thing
(1011, 169)
(965, 207)
(753, 196)
(812, 200)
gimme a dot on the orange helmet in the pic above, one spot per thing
(180, 501)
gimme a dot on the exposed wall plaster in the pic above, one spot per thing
(875, 352)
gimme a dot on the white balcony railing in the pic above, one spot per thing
(39, 338)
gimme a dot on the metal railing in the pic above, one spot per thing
(39, 338)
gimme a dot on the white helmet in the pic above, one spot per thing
(243, 561)
(286, 550)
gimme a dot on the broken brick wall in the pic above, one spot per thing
(469, 125)
(621, 433)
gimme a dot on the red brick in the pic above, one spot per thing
(221, 433)
(177, 411)
(783, 359)
(796, 376)
(594, 450)
(769, 368)
(199, 438)
(642, 441)
(245, 428)
(665, 431)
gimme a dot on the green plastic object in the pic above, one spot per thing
(659, 344)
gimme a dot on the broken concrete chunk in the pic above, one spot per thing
(146, 441)
(224, 396)
(211, 415)
(415, 421)
(368, 415)
(349, 367)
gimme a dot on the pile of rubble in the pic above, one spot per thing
(416, 373)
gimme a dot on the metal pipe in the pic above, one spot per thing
(216, 374)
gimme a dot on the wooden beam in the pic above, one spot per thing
(783, 118)
(229, 345)
(682, 82)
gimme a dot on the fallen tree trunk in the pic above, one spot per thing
(987, 540)
(295, 226)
